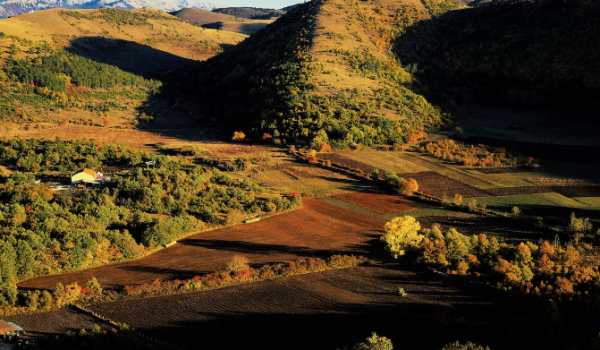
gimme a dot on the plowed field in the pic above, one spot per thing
(57, 322)
(319, 229)
(336, 308)
(382, 203)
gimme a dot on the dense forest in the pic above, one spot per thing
(48, 79)
(43, 231)
(529, 53)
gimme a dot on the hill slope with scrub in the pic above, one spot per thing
(325, 69)
(527, 53)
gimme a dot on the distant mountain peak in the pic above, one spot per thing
(15, 7)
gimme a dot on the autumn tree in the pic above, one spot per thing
(408, 187)
(374, 342)
(238, 136)
(401, 235)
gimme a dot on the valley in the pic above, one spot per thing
(302, 180)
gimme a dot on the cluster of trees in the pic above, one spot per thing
(120, 17)
(566, 272)
(59, 69)
(376, 342)
(44, 232)
(517, 52)
(475, 156)
(47, 79)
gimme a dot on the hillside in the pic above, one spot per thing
(542, 53)
(16, 7)
(143, 42)
(250, 12)
(325, 69)
(215, 20)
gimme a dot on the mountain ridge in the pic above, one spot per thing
(15, 7)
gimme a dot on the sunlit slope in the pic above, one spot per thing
(215, 20)
(325, 69)
(143, 27)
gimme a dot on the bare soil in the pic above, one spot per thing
(58, 322)
(336, 308)
(382, 203)
(319, 229)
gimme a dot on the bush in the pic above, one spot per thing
(408, 187)
(238, 264)
(464, 346)
(374, 342)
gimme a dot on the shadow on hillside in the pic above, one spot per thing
(288, 315)
(128, 55)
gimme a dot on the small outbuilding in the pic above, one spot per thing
(8, 328)
(89, 177)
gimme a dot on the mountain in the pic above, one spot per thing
(216, 20)
(250, 12)
(325, 69)
(15, 7)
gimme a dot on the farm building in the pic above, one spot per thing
(89, 177)
(7, 328)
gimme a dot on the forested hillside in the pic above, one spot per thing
(303, 77)
(44, 231)
(532, 53)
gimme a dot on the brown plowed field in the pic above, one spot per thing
(319, 229)
(577, 191)
(442, 186)
(57, 322)
(382, 203)
(336, 308)
(349, 163)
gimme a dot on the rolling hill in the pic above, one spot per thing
(16, 7)
(250, 12)
(109, 52)
(540, 54)
(326, 70)
(216, 20)
(119, 37)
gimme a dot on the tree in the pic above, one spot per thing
(375, 174)
(516, 211)
(105, 122)
(374, 342)
(238, 136)
(94, 286)
(401, 234)
(408, 187)
(234, 217)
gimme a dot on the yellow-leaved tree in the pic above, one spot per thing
(402, 234)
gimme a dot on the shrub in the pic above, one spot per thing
(237, 264)
(408, 187)
(464, 346)
(374, 342)
(238, 136)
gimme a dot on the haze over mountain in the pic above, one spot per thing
(15, 7)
